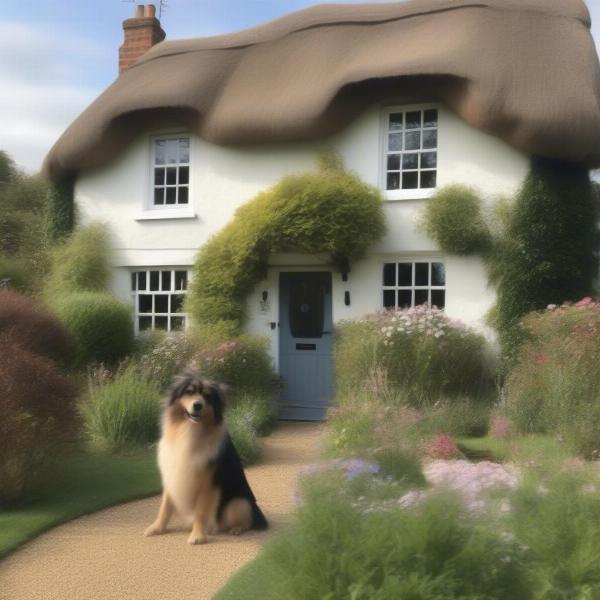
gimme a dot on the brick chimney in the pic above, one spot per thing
(141, 33)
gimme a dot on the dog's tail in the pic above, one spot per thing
(259, 521)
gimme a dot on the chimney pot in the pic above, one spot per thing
(150, 11)
(139, 11)
(141, 33)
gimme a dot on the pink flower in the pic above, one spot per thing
(551, 307)
(501, 428)
(442, 446)
(585, 301)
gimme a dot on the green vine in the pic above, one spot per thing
(61, 209)
(329, 211)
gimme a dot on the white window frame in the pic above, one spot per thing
(414, 194)
(167, 211)
(413, 287)
(160, 292)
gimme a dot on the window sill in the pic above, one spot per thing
(187, 213)
(392, 196)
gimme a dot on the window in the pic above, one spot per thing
(411, 150)
(158, 297)
(171, 172)
(407, 284)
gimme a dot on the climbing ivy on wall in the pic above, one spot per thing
(61, 209)
(328, 211)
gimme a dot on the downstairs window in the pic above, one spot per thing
(407, 284)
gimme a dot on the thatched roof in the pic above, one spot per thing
(523, 70)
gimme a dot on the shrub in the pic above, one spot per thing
(101, 325)
(338, 549)
(38, 415)
(16, 272)
(546, 254)
(243, 363)
(421, 353)
(81, 263)
(327, 211)
(61, 209)
(123, 412)
(453, 218)
(555, 384)
(33, 327)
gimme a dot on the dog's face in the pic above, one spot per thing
(197, 400)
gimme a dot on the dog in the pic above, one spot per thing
(202, 475)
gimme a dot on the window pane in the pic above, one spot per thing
(171, 175)
(184, 175)
(144, 323)
(410, 161)
(159, 195)
(428, 160)
(177, 303)
(393, 162)
(389, 274)
(165, 281)
(161, 323)
(133, 281)
(159, 152)
(184, 150)
(438, 274)
(154, 281)
(395, 142)
(412, 140)
(145, 303)
(404, 274)
(181, 280)
(306, 308)
(438, 298)
(430, 118)
(421, 273)
(430, 138)
(413, 120)
(428, 179)
(396, 121)
(393, 181)
(404, 298)
(410, 180)
(389, 298)
(141, 280)
(172, 153)
(182, 195)
(171, 195)
(159, 177)
(161, 303)
(177, 323)
(421, 297)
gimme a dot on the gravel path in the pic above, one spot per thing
(104, 556)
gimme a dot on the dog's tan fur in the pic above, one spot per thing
(186, 454)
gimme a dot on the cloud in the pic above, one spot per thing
(42, 78)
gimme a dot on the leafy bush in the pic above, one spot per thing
(555, 384)
(328, 211)
(337, 548)
(123, 412)
(546, 253)
(243, 363)
(101, 325)
(453, 218)
(33, 327)
(61, 209)
(244, 438)
(38, 414)
(81, 263)
(16, 272)
(418, 353)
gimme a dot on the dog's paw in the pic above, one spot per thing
(153, 530)
(196, 539)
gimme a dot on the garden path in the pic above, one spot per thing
(104, 556)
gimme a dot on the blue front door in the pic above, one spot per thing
(305, 344)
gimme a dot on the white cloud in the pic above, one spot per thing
(42, 89)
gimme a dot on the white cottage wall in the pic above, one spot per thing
(224, 178)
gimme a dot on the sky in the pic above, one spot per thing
(58, 55)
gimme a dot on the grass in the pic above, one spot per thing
(80, 484)
(519, 449)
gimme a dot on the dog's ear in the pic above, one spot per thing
(223, 390)
(179, 384)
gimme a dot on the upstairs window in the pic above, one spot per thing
(407, 284)
(411, 150)
(171, 172)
